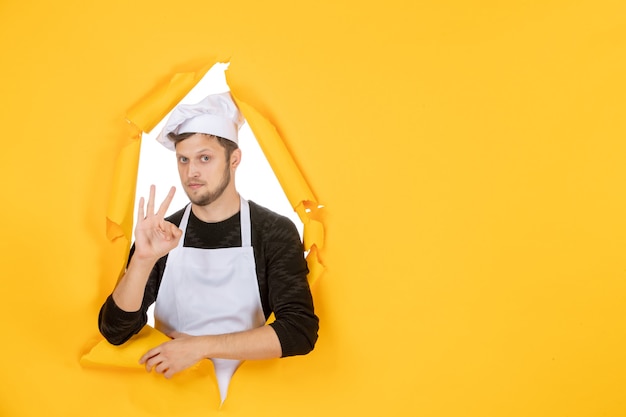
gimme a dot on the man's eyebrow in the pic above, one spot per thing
(197, 152)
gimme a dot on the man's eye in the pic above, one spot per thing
(205, 158)
(183, 160)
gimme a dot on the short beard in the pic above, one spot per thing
(211, 196)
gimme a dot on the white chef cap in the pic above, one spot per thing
(216, 115)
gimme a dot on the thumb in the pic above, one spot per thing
(171, 231)
(176, 232)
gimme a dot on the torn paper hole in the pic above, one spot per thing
(255, 180)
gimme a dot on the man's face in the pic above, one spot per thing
(203, 169)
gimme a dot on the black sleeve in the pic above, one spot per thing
(117, 325)
(289, 294)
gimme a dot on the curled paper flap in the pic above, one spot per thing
(119, 211)
(284, 167)
(289, 176)
(147, 113)
(316, 269)
(126, 355)
(313, 229)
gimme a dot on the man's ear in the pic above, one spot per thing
(235, 158)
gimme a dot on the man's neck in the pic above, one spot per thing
(226, 206)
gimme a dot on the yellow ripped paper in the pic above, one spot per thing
(293, 183)
(119, 217)
(147, 113)
(126, 355)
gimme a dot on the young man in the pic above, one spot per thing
(217, 268)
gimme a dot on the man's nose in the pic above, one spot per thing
(193, 171)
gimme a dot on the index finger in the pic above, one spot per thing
(149, 354)
(166, 203)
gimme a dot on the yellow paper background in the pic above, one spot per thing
(470, 157)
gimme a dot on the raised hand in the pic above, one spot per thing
(154, 236)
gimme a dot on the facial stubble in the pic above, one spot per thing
(210, 196)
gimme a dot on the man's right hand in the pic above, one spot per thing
(154, 236)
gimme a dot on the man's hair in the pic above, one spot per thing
(228, 145)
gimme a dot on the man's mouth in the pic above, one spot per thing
(194, 185)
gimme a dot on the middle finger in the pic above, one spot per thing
(166, 203)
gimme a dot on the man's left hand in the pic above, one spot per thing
(169, 358)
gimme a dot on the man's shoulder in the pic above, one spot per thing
(268, 219)
(261, 211)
